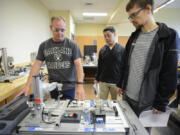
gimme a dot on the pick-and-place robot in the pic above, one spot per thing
(71, 116)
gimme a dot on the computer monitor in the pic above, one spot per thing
(90, 49)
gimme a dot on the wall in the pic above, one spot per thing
(85, 29)
(123, 31)
(169, 16)
(123, 40)
(24, 25)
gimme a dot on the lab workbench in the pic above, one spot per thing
(9, 90)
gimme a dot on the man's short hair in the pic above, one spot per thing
(109, 28)
(57, 18)
(140, 3)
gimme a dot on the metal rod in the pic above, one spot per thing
(4, 61)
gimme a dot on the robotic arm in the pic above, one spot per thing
(40, 88)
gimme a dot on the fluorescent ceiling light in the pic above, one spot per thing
(94, 14)
(163, 5)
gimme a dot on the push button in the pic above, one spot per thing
(71, 115)
(65, 115)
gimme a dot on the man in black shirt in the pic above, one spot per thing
(109, 61)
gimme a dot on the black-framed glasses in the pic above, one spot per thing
(133, 15)
(58, 29)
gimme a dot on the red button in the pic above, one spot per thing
(38, 100)
(71, 115)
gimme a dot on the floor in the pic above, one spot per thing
(89, 90)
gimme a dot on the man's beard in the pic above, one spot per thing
(139, 26)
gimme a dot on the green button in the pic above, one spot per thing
(66, 115)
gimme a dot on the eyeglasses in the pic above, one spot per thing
(133, 15)
(58, 29)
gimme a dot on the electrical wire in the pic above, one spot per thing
(42, 116)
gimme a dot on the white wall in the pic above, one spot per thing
(124, 29)
(169, 16)
(24, 24)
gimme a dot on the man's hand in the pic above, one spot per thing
(23, 91)
(34, 71)
(80, 93)
(119, 91)
(155, 111)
